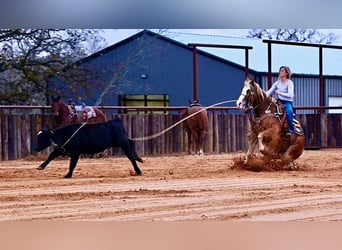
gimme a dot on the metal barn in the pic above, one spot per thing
(148, 65)
(151, 64)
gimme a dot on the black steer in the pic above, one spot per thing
(76, 139)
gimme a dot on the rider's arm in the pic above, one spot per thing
(272, 89)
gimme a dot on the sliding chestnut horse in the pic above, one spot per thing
(196, 126)
(268, 125)
(65, 114)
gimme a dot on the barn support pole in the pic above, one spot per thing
(195, 82)
(246, 63)
(269, 65)
(194, 56)
(321, 80)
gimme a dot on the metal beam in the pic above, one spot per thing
(320, 61)
(194, 56)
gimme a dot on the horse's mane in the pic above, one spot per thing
(260, 92)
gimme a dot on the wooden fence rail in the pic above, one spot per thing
(227, 132)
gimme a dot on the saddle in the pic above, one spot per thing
(72, 111)
(281, 115)
(89, 111)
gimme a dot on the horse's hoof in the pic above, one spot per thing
(40, 168)
(200, 153)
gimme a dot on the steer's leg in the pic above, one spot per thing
(129, 153)
(54, 154)
(73, 161)
(136, 156)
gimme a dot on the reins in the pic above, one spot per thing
(256, 120)
(177, 123)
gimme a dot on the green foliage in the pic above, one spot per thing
(29, 58)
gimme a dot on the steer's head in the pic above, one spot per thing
(43, 139)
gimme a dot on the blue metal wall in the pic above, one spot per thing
(168, 65)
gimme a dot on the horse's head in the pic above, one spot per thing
(245, 97)
(56, 105)
(252, 97)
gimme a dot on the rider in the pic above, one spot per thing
(72, 106)
(284, 88)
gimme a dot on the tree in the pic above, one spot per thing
(296, 35)
(29, 58)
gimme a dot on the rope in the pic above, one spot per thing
(177, 123)
(65, 143)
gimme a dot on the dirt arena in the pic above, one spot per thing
(173, 188)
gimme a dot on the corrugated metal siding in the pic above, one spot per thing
(333, 88)
(307, 91)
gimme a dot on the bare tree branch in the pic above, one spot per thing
(297, 35)
(37, 55)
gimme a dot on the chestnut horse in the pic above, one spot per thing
(65, 114)
(196, 126)
(268, 125)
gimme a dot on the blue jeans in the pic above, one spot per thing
(289, 115)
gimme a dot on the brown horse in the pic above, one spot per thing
(65, 114)
(268, 125)
(92, 115)
(196, 126)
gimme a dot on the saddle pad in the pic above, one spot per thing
(90, 112)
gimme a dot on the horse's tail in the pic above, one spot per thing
(201, 119)
(204, 120)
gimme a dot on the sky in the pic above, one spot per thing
(115, 35)
(303, 60)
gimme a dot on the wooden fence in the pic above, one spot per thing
(227, 132)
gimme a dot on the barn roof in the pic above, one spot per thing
(302, 60)
(168, 39)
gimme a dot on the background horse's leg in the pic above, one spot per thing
(200, 142)
(196, 139)
(188, 131)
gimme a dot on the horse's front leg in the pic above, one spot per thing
(264, 140)
(252, 143)
(261, 145)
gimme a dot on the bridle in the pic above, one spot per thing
(247, 106)
(249, 109)
(63, 112)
